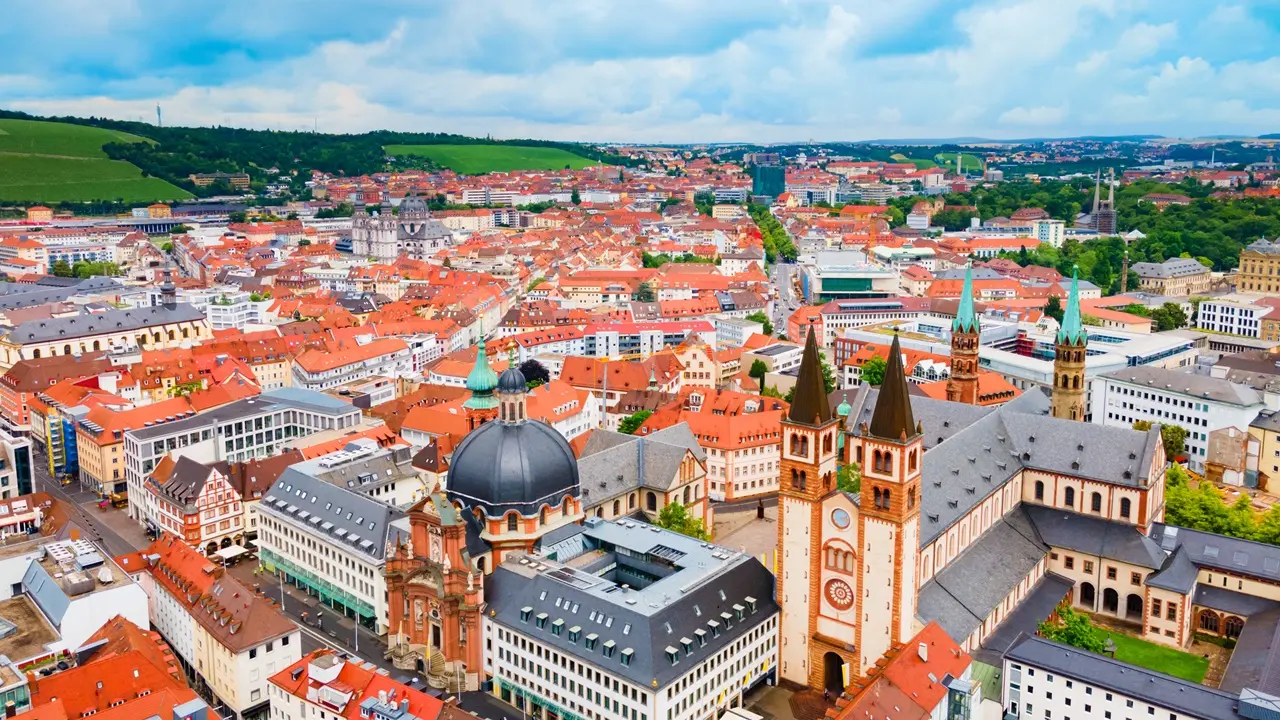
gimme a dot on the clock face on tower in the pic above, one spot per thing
(839, 594)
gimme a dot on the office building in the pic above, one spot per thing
(626, 620)
(1198, 404)
(768, 180)
(1237, 314)
(255, 427)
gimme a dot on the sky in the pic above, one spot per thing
(656, 71)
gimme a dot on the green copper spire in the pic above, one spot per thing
(1071, 331)
(966, 320)
(481, 381)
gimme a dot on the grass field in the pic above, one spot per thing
(53, 162)
(920, 163)
(948, 160)
(478, 159)
(1159, 658)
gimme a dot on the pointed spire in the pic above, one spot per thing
(1071, 330)
(1097, 189)
(966, 320)
(809, 403)
(893, 419)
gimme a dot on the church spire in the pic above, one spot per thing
(481, 381)
(966, 320)
(1071, 331)
(809, 403)
(893, 419)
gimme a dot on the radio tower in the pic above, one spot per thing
(159, 123)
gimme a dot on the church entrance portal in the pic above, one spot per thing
(833, 673)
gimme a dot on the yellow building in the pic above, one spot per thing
(39, 213)
(1260, 268)
(159, 210)
(152, 328)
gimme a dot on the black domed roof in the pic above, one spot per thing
(512, 466)
(512, 381)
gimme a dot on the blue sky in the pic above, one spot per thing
(657, 70)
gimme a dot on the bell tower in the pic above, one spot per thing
(1069, 385)
(962, 386)
(482, 406)
(889, 519)
(808, 474)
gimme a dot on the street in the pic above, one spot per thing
(119, 535)
(786, 301)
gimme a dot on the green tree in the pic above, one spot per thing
(676, 518)
(575, 198)
(828, 375)
(1087, 319)
(763, 319)
(873, 370)
(180, 230)
(644, 293)
(535, 373)
(304, 242)
(849, 478)
(1169, 316)
(1076, 629)
(758, 371)
(1053, 308)
(237, 216)
(62, 269)
(1268, 528)
(167, 247)
(1174, 437)
(631, 423)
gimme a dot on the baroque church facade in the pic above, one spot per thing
(981, 519)
(384, 236)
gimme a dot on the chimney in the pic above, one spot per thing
(923, 651)
(382, 697)
(10, 709)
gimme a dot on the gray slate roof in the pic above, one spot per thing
(14, 295)
(1037, 605)
(1173, 267)
(666, 612)
(334, 514)
(111, 321)
(1188, 699)
(1177, 573)
(975, 462)
(1094, 536)
(1242, 557)
(968, 589)
(614, 464)
(1171, 381)
(1255, 662)
(1232, 602)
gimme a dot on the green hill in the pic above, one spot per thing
(54, 162)
(948, 160)
(478, 159)
(920, 163)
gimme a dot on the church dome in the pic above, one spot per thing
(512, 381)
(512, 466)
(413, 205)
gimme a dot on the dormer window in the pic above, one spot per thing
(525, 612)
(590, 642)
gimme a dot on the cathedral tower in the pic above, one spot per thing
(1068, 359)
(962, 386)
(807, 475)
(889, 519)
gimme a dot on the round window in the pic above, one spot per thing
(840, 518)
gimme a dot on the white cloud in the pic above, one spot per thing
(1041, 115)
(684, 70)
